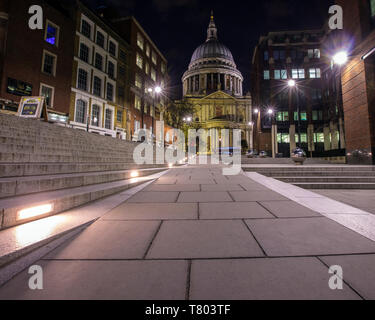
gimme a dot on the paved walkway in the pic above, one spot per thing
(196, 234)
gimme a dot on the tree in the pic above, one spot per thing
(175, 113)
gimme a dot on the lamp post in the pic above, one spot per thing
(292, 84)
(154, 92)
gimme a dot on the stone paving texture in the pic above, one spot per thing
(196, 234)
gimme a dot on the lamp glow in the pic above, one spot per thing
(291, 83)
(34, 211)
(157, 89)
(340, 58)
(150, 90)
(134, 174)
(170, 165)
(270, 111)
(256, 110)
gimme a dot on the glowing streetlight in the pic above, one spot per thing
(270, 111)
(291, 83)
(251, 123)
(340, 58)
(158, 90)
(256, 110)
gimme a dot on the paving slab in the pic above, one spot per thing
(175, 187)
(154, 197)
(204, 197)
(308, 236)
(264, 279)
(221, 187)
(247, 196)
(103, 280)
(358, 272)
(196, 181)
(153, 211)
(252, 186)
(288, 209)
(203, 239)
(109, 240)
(234, 210)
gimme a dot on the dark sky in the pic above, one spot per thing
(179, 26)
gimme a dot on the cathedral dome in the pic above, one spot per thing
(212, 48)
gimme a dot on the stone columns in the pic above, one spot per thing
(292, 137)
(327, 138)
(310, 137)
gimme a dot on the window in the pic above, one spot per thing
(121, 71)
(313, 53)
(147, 68)
(303, 138)
(316, 94)
(98, 61)
(52, 33)
(109, 92)
(298, 73)
(317, 115)
(80, 111)
(139, 61)
(283, 138)
(281, 74)
(97, 90)
(47, 92)
(84, 52)
(153, 74)
(266, 55)
(123, 55)
(314, 73)
(138, 81)
(49, 63)
(319, 137)
(111, 70)
(108, 119)
(112, 48)
(86, 29)
(266, 75)
(95, 115)
(119, 116)
(100, 39)
(137, 103)
(148, 50)
(121, 94)
(282, 116)
(303, 116)
(82, 80)
(140, 41)
(162, 68)
(277, 75)
(154, 58)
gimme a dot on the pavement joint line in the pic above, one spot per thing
(343, 279)
(233, 200)
(221, 258)
(258, 202)
(199, 213)
(188, 280)
(152, 240)
(257, 241)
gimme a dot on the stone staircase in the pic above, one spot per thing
(46, 165)
(321, 177)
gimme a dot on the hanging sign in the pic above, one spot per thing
(33, 107)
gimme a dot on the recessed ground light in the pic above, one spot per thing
(34, 211)
(134, 174)
(170, 165)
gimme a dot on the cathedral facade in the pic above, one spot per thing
(213, 85)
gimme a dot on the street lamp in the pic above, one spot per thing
(291, 83)
(256, 111)
(157, 90)
(270, 111)
(340, 58)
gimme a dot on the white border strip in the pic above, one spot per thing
(355, 219)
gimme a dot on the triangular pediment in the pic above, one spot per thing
(218, 95)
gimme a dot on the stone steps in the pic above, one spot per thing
(333, 185)
(17, 186)
(297, 174)
(61, 200)
(329, 179)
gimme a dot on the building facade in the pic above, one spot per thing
(98, 91)
(213, 85)
(148, 71)
(36, 62)
(358, 78)
(291, 97)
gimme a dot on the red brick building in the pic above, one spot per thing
(358, 79)
(148, 70)
(36, 62)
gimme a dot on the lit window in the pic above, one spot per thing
(266, 74)
(137, 103)
(80, 111)
(303, 138)
(95, 115)
(153, 74)
(319, 137)
(277, 74)
(49, 63)
(282, 116)
(148, 50)
(139, 61)
(301, 73)
(147, 68)
(47, 93)
(303, 116)
(154, 57)
(138, 81)
(52, 34)
(284, 74)
(140, 41)
(119, 116)
(162, 68)
(314, 73)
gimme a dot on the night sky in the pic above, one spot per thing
(179, 26)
